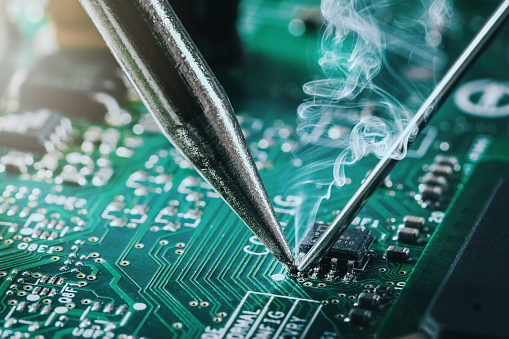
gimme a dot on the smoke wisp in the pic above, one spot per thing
(379, 60)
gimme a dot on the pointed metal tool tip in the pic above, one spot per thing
(190, 106)
(292, 269)
(278, 246)
(253, 206)
(288, 263)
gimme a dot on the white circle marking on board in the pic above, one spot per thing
(61, 310)
(487, 98)
(26, 231)
(33, 297)
(139, 306)
(278, 277)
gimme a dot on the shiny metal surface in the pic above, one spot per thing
(189, 105)
(418, 122)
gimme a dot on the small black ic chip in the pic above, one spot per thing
(65, 80)
(39, 131)
(353, 245)
(398, 254)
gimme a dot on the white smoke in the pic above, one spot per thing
(351, 51)
(379, 59)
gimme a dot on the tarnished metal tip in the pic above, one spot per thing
(288, 263)
(188, 103)
(283, 254)
(292, 269)
(261, 219)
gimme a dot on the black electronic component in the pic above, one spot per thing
(431, 179)
(65, 82)
(472, 299)
(435, 189)
(360, 316)
(384, 292)
(39, 131)
(368, 300)
(397, 254)
(446, 160)
(412, 221)
(441, 170)
(435, 193)
(353, 245)
(408, 235)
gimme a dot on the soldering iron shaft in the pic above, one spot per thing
(189, 105)
(410, 133)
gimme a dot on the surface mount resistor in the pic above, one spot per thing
(446, 160)
(414, 222)
(368, 300)
(443, 170)
(397, 254)
(431, 192)
(431, 179)
(408, 235)
(360, 316)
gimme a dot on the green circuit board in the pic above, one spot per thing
(113, 233)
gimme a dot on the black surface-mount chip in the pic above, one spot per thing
(66, 80)
(353, 245)
(39, 131)
(398, 254)
(472, 299)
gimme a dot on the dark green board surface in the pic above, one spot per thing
(165, 257)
